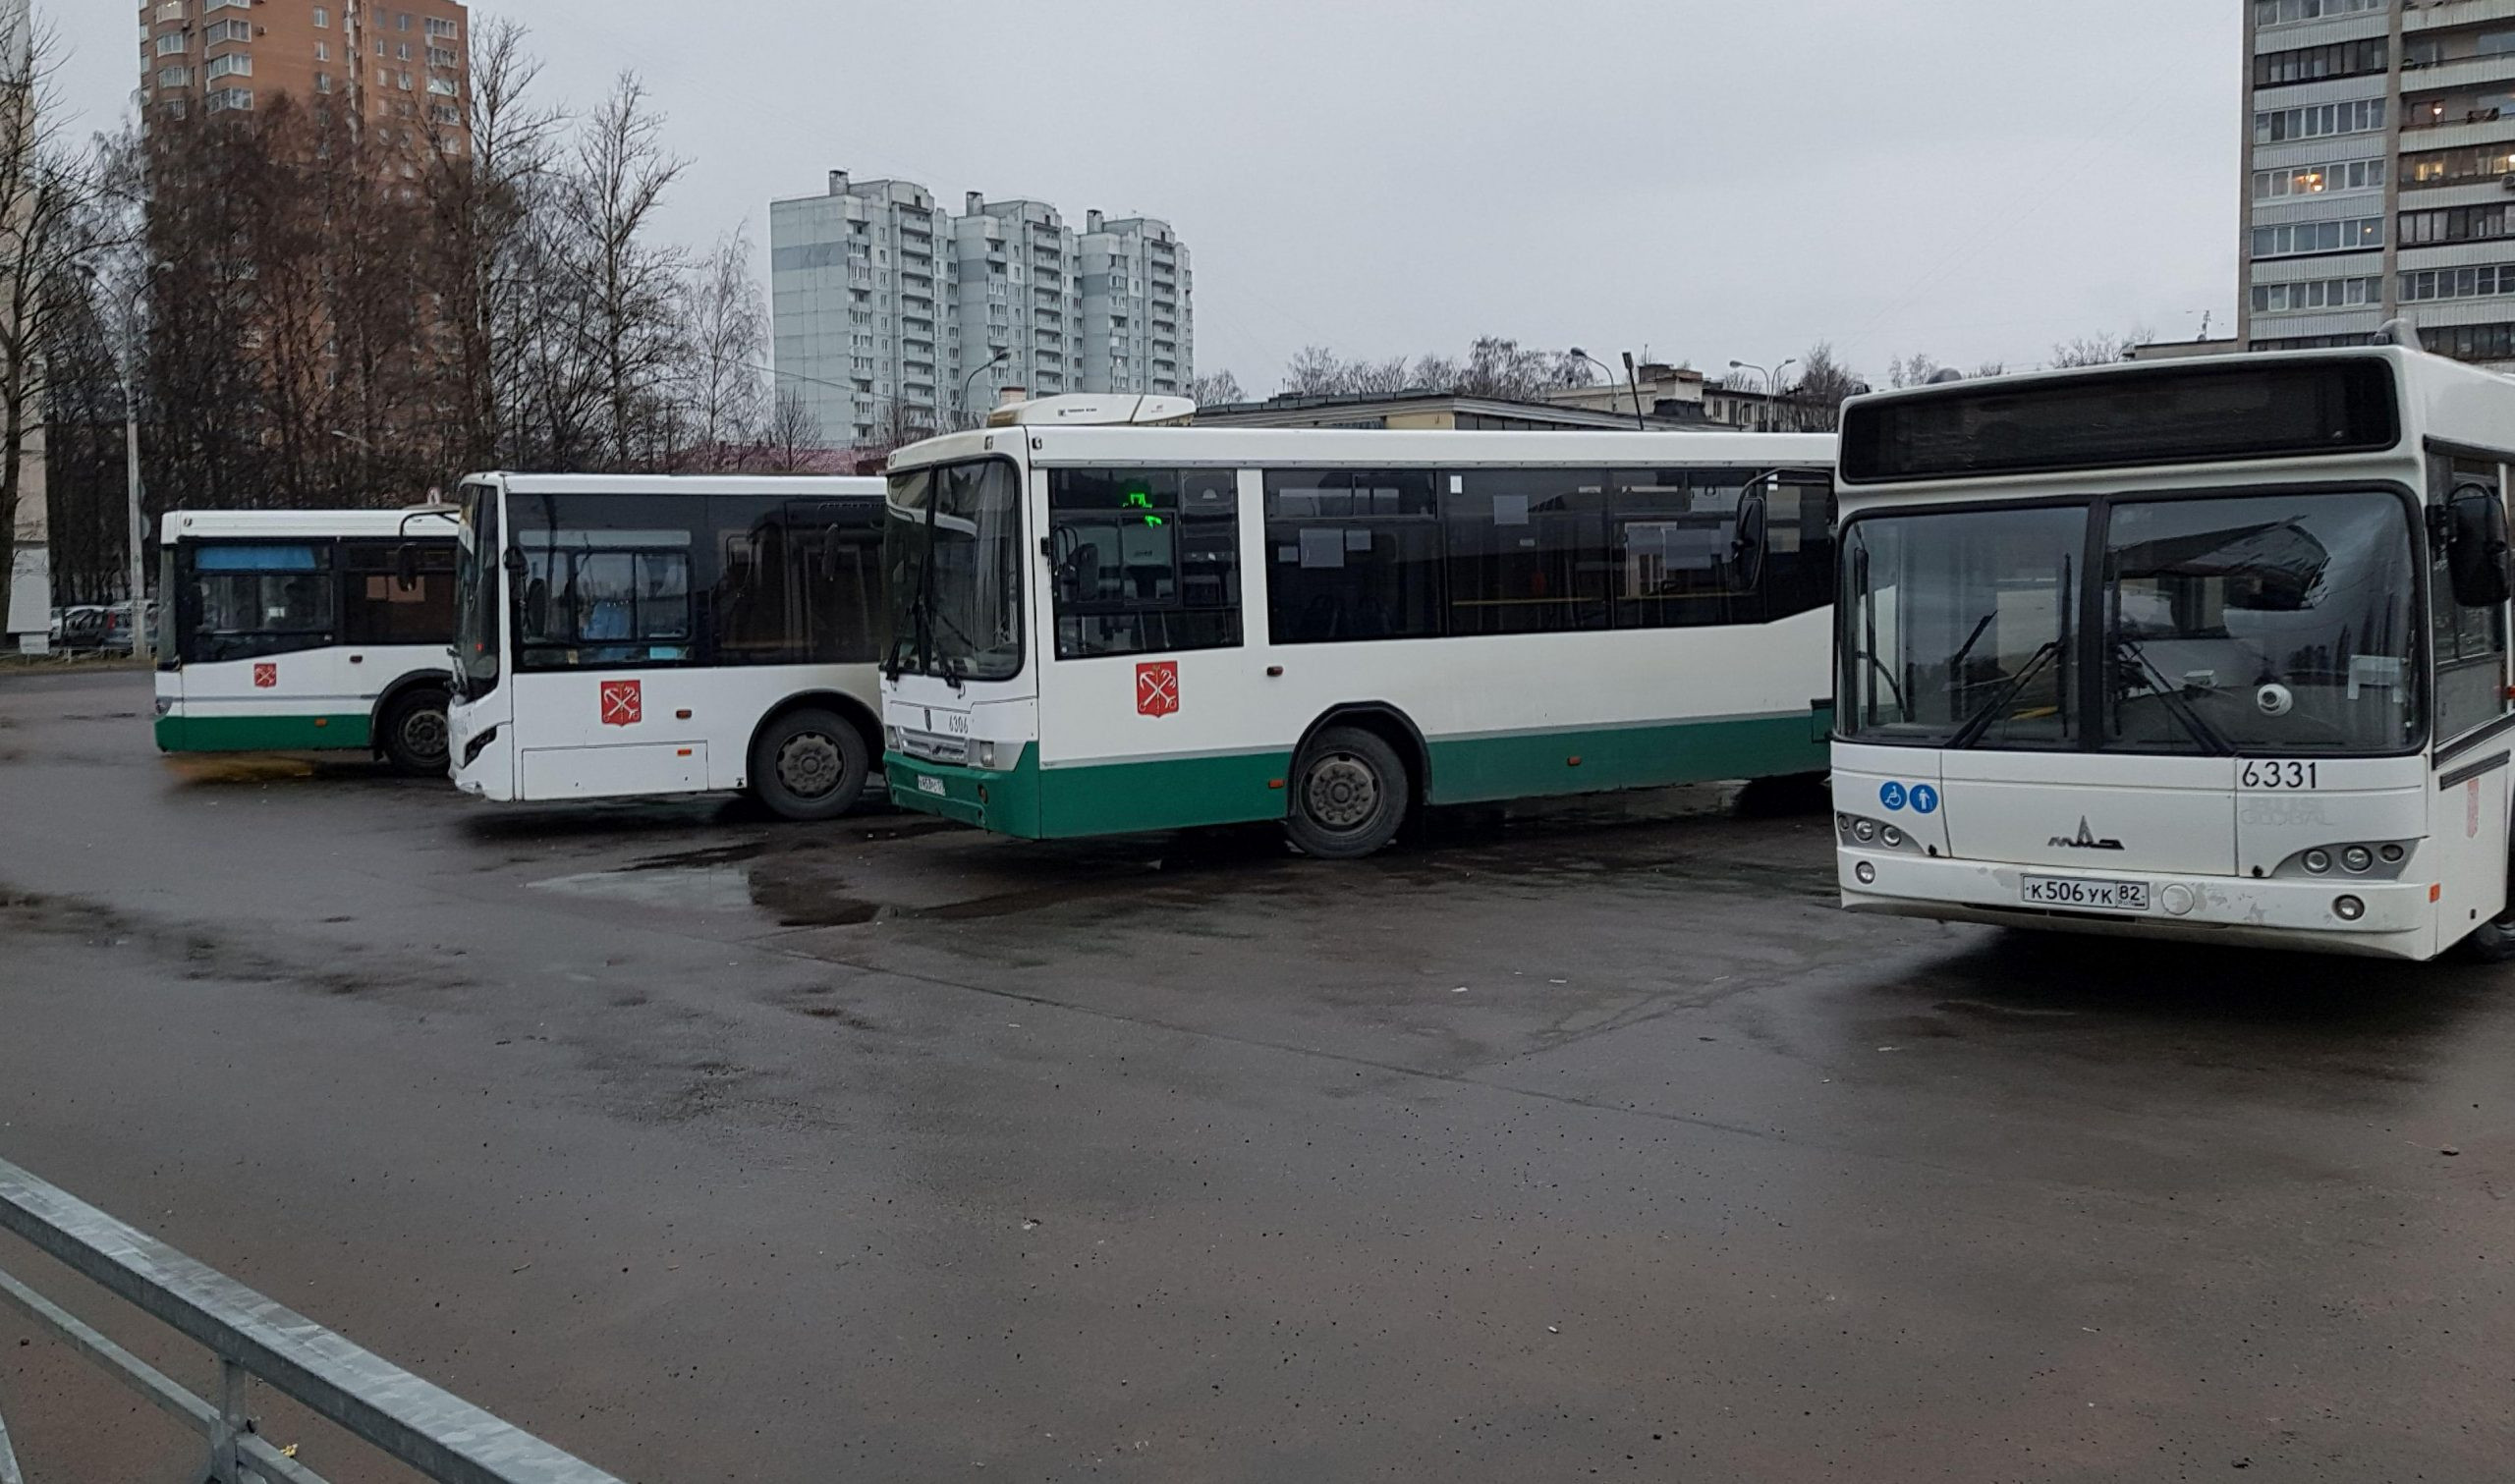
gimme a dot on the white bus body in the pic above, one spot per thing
(629, 636)
(290, 630)
(1101, 629)
(2180, 650)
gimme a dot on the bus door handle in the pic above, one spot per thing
(357, 659)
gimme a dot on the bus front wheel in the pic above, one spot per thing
(808, 764)
(1349, 794)
(415, 736)
(2494, 940)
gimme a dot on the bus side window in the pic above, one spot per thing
(1144, 561)
(378, 608)
(1353, 554)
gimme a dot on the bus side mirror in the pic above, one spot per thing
(2475, 547)
(1747, 543)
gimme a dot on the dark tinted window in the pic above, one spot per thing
(243, 600)
(1352, 555)
(1144, 561)
(795, 582)
(2123, 419)
(1799, 543)
(378, 607)
(1528, 550)
(1679, 560)
(606, 582)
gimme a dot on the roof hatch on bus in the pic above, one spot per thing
(1094, 410)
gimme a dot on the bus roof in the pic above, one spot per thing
(1359, 447)
(799, 486)
(418, 522)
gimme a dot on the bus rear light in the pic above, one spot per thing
(2348, 909)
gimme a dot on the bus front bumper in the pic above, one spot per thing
(2395, 920)
(1006, 802)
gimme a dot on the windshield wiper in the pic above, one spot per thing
(1981, 721)
(2176, 706)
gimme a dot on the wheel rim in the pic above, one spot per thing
(423, 734)
(808, 765)
(1342, 794)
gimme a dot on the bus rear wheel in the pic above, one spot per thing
(1349, 793)
(415, 736)
(808, 764)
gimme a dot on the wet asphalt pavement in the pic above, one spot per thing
(1594, 1141)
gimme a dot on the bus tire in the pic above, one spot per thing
(1349, 793)
(413, 737)
(2493, 942)
(808, 764)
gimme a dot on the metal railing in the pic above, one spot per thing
(255, 1339)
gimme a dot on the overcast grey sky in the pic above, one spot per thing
(1711, 179)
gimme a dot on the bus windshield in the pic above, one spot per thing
(477, 639)
(2233, 624)
(952, 558)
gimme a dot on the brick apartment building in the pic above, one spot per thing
(397, 65)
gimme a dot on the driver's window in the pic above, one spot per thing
(2470, 642)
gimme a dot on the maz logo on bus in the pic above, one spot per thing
(2085, 840)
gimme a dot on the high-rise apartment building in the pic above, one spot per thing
(397, 66)
(1018, 294)
(860, 287)
(2379, 171)
(888, 314)
(1136, 283)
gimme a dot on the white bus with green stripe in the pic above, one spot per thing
(1101, 625)
(306, 630)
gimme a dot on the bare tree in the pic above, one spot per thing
(725, 333)
(1915, 370)
(46, 187)
(791, 440)
(489, 188)
(1215, 389)
(626, 285)
(1823, 382)
(2097, 349)
(1314, 372)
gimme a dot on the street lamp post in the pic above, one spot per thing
(1772, 395)
(1581, 355)
(1749, 365)
(992, 361)
(137, 519)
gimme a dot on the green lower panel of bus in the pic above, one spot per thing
(1240, 788)
(263, 734)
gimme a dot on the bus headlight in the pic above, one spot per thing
(891, 739)
(1867, 873)
(985, 755)
(1891, 834)
(2348, 909)
(2317, 861)
(1865, 830)
(2357, 860)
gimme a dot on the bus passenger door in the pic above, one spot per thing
(2467, 818)
(1148, 704)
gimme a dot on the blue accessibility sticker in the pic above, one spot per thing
(1891, 796)
(1924, 798)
